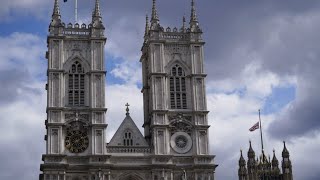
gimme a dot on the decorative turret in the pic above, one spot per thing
(96, 16)
(146, 31)
(183, 28)
(285, 152)
(242, 172)
(194, 24)
(252, 164)
(275, 165)
(286, 164)
(251, 153)
(56, 10)
(263, 167)
(155, 25)
(56, 26)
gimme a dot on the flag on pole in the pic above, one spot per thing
(254, 127)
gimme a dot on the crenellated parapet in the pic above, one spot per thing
(58, 28)
(75, 30)
(156, 32)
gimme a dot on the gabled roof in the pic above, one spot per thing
(128, 125)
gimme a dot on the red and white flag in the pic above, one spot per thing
(254, 127)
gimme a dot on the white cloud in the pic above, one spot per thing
(129, 71)
(21, 7)
(125, 37)
(116, 97)
(23, 51)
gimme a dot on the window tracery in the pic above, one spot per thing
(127, 139)
(178, 92)
(76, 85)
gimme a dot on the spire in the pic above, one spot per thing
(56, 18)
(96, 16)
(286, 164)
(285, 152)
(251, 153)
(275, 162)
(56, 10)
(154, 17)
(127, 109)
(146, 32)
(183, 28)
(242, 161)
(96, 12)
(242, 172)
(194, 24)
(194, 17)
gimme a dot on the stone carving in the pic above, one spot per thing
(128, 150)
(203, 133)
(171, 50)
(204, 160)
(69, 117)
(78, 48)
(179, 117)
(180, 126)
(55, 116)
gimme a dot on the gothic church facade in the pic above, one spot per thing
(175, 143)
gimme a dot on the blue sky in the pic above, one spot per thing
(259, 55)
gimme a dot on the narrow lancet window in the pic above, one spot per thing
(76, 92)
(178, 92)
(127, 139)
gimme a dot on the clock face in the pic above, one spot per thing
(181, 142)
(76, 141)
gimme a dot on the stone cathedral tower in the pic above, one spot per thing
(175, 106)
(75, 139)
(175, 144)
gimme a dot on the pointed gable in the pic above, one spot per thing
(128, 134)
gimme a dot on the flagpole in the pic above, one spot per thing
(76, 11)
(261, 131)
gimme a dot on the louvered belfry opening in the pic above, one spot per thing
(76, 85)
(178, 92)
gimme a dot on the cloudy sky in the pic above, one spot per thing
(260, 54)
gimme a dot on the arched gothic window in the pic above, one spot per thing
(127, 139)
(178, 92)
(76, 85)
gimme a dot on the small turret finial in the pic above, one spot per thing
(285, 152)
(56, 10)
(96, 16)
(146, 32)
(127, 109)
(183, 29)
(194, 17)
(154, 17)
(96, 11)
